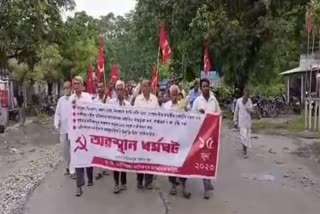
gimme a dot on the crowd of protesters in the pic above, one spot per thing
(200, 98)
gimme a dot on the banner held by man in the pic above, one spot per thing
(147, 141)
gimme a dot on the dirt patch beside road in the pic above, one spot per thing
(20, 145)
(27, 155)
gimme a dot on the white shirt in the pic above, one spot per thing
(62, 114)
(115, 101)
(242, 113)
(84, 96)
(170, 106)
(210, 106)
(97, 99)
(141, 102)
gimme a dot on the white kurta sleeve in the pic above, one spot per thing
(236, 112)
(57, 115)
(250, 106)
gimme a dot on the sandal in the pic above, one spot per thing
(73, 176)
(116, 189)
(67, 172)
(99, 176)
(140, 186)
(173, 190)
(206, 195)
(186, 194)
(123, 187)
(149, 187)
(79, 192)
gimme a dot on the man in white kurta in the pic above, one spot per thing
(79, 95)
(120, 178)
(100, 98)
(61, 122)
(173, 104)
(206, 103)
(242, 119)
(146, 100)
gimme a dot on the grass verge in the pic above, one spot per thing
(293, 127)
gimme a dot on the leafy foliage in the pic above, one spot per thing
(250, 41)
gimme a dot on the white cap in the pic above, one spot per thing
(119, 82)
(78, 78)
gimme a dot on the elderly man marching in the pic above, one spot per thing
(173, 104)
(76, 97)
(100, 98)
(120, 100)
(242, 119)
(61, 122)
(206, 103)
(146, 100)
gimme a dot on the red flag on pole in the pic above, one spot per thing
(155, 78)
(101, 62)
(206, 61)
(91, 88)
(115, 73)
(165, 46)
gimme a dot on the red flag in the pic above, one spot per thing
(155, 78)
(206, 61)
(91, 88)
(101, 62)
(165, 46)
(115, 73)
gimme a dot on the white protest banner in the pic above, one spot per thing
(151, 141)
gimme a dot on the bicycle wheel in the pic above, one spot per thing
(272, 110)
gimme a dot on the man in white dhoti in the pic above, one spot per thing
(61, 119)
(242, 119)
(206, 103)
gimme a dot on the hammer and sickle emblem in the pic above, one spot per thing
(81, 145)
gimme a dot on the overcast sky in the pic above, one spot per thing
(97, 8)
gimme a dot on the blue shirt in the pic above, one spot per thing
(193, 96)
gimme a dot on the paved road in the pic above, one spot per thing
(241, 188)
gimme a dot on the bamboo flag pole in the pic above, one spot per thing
(158, 60)
(104, 75)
